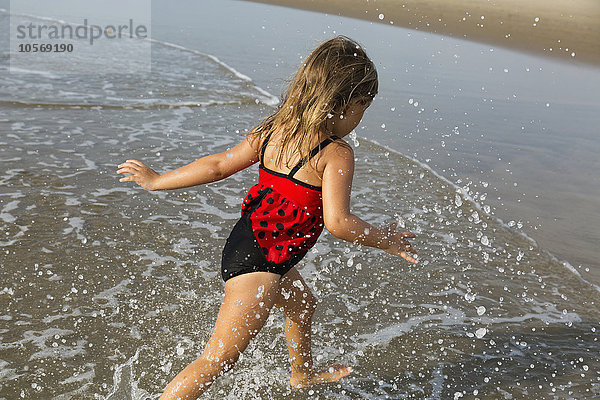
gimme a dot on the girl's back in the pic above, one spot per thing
(310, 174)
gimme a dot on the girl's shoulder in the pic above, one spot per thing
(254, 140)
(336, 152)
(340, 148)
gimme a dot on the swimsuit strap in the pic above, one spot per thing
(313, 153)
(264, 147)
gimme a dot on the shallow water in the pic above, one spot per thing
(523, 125)
(109, 290)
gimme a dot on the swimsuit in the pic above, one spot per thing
(281, 219)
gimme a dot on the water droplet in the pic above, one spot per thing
(354, 138)
(298, 284)
(261, 290)
(458, 200)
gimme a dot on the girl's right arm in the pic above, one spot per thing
(204, 170)
(337, 185)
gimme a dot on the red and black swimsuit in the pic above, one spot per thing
(282, 217)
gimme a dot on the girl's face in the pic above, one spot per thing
(341, 125)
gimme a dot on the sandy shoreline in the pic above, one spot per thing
(568, 30)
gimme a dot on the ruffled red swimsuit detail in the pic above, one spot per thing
(289, 218)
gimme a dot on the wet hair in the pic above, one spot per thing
(336, 74)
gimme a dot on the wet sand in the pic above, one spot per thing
(568, 30)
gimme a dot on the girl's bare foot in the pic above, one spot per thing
(332, 374)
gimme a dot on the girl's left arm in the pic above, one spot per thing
(204, 170)
(340, 222)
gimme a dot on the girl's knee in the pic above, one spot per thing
(215, 365)
(218, 353)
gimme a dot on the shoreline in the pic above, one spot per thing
(569, 32)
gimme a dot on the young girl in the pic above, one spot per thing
(305, 178)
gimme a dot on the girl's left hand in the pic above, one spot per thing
(398, 245)
(144, 176)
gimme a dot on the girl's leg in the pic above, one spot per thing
(298, 304)
(245, 308)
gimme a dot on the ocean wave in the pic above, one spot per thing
(35, 72)
(265, 96)
(142, 104)
(271, 100)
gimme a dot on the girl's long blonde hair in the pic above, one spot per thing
(337, 73)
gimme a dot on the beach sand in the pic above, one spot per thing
(569, 30)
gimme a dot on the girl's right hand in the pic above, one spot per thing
(398, 245)
(140, 174)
